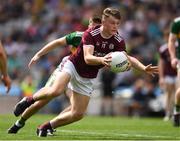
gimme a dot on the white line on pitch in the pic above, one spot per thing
(115, 134)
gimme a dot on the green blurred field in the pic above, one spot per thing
(95, 128)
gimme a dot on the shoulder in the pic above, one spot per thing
(118, 37)
(93, 31)
(177, 20)
(74, 38)
(75, 34)
(175, 24)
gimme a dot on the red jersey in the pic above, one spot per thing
(167, 68)
(102, 46)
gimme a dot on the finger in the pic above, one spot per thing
(107, 65)
(108, 61)
(154, 67)
(148, 65)
(152, 75)
(8, 89)
(29, 65)
(156, 71)
(108, 57)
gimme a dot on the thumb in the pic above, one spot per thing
(7, 89)
(30, 64)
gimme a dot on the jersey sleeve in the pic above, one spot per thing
(87, 39)
(162, 51)
(74, 38)
(174, 27)
(69, 38)
(122, 46)
(160, 54)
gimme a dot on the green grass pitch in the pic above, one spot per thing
(95, 128)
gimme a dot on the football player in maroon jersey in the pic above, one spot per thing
(92, 54)
(167, 77)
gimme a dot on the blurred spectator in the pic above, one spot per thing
(137, 103)
(107, 78)
(150, 95)
(167, 77)
(28, 87)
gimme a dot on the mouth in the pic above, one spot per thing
(114, 30)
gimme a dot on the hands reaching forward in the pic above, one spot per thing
(33, 61)
(7, 82)
(151, 70)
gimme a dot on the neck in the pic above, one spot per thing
(104, 34)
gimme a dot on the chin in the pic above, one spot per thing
(113, 32)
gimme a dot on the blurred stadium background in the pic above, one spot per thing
(27, 25)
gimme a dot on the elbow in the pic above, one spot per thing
(87, 60)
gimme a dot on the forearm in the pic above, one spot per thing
(93, 60)
(172, 50)
(136, 64)
(171, 46)
(50, 46)
(89, 58)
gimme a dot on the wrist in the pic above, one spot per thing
(101, 60)
(172, 58)
(144, 68)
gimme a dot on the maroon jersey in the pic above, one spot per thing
(167, 68)
(102, 47)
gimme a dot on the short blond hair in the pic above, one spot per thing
(111, 11)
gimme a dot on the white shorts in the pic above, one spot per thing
(170, 79)
(77, 83)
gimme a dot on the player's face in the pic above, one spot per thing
(111, 25)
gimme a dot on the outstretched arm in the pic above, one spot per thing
(3, 68)
(149, 69)
(47, 48)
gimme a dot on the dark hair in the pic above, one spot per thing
(110, 11)
(96, 19)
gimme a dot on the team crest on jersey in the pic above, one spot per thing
(111, 46)
(97, 43)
